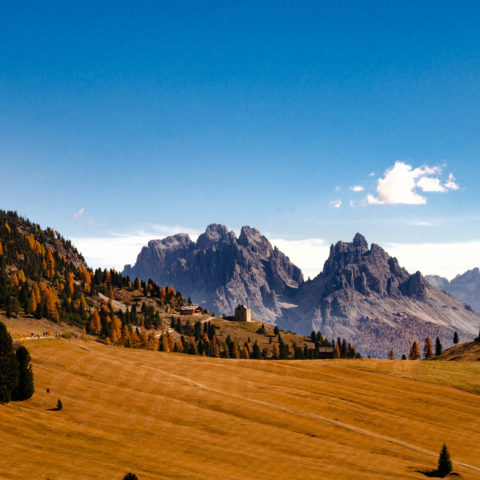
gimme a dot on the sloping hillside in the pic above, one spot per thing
(465, 352)
(168, 416)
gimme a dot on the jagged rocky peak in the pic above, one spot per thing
(215, 234)
(175, 241)
(360, 242)
(253, 239)
(369, 270)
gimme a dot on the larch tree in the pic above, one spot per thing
(427, 349)
(391, 354)
(95, 323)
(414, 353)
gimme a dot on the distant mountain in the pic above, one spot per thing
(220, 270)
(362, 294)
(465, 287)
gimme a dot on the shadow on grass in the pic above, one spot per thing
(54, 409)
(437, 474)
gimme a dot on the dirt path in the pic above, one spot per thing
(318, 418)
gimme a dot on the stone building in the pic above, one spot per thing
(243, 314)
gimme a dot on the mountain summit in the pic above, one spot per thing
(362, 294)
(220, 270)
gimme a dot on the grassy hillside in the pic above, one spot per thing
(171, 416)
(468, 352)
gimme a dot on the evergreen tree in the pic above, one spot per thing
(438, 347)
(9, 371)
(24, 389)
(455, 338)
(404, 357)
(130, 476)
(59, 405)
(444, 462)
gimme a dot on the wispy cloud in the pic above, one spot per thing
(336, 203)
(79, 212)
(357, 188)
(401, 185)
(420, 223)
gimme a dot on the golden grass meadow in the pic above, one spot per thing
(173, 416)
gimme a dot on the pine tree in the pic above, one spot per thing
(444, 462)
(427, 349)
(414, 353)
(25, 388)
(130, 476)
(391, 355)
(438, 347)
(59, 405)
(9, 371)
(455, 338)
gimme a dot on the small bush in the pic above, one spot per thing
(59, 405)
(130, 476)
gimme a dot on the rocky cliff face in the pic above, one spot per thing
(362, 294)
(465, 287)
(220, 270)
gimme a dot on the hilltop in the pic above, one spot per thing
(43, 279)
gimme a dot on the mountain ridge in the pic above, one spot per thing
(362, 293)
(465, 286)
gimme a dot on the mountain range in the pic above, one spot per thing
(362, 293)
(466, 286)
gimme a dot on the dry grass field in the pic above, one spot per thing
(171, 416)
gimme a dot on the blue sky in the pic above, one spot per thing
(124, 121)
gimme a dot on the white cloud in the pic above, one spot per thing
(451, 184)
(431, 184)
(371, 174)
(80, 212)
(421, 223)
(445, 259)
(400, 182)
(308, 254)
(357, 188)
(338, 188)
(336, 203)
